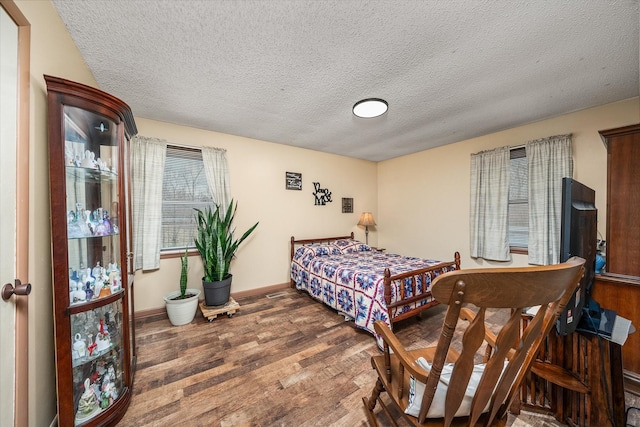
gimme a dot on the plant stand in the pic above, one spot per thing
(212, 312)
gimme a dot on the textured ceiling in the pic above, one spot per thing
(290, 71)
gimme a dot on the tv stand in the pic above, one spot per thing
(578, 379)
(622, 294)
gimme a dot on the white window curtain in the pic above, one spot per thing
(549, 161)
(489, 204)
(217, 172)
(147, 162)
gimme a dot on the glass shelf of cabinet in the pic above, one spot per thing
(94, 174)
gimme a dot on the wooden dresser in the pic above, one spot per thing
(619, 287)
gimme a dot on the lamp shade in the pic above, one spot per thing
(366, 219)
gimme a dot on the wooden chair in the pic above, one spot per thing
(459, 390)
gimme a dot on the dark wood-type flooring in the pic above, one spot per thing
(282, 360)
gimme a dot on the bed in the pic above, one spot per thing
(363, 283)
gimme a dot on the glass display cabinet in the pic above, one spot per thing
(89, 132)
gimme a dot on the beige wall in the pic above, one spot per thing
(257, 174)
(52, 52)
(423, 198)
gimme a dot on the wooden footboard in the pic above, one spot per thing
(414, 277)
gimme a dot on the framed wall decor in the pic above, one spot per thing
(347, 205)
(293, 181)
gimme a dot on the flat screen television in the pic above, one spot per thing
(578, 237)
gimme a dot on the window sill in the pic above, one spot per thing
(518, 250)
(177, 253)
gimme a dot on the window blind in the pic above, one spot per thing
(184, 188)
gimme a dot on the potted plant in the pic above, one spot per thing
(182, 305)
(217, 247)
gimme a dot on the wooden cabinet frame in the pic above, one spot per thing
(94, 380)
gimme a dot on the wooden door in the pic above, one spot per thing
(14, 211)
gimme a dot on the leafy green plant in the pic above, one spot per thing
(184, 260)
(215, 240)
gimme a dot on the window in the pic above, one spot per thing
(516, 200)
(518, 215)
(184, 188)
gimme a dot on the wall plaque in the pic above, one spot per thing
(347, 205)
(293, 181)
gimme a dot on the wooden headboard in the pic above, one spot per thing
(295, 242)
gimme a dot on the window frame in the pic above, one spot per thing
(175, 252)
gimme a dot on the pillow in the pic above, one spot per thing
(416, 391)
(319, 249)
(351, 245)
(300, 253)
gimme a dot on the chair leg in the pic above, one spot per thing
(370, 403)
(373, 422)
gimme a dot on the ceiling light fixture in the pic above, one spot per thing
(370, 107)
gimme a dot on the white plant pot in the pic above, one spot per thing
(181, 311)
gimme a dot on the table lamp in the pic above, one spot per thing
(366, 219)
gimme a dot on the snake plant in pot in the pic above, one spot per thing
(182, 305)
(217, 247)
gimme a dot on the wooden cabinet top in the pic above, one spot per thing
(626, 130)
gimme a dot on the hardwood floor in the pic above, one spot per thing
(280, 361)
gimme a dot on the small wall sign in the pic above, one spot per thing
(293, 181)
(347, 205)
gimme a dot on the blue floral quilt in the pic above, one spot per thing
(348, 276)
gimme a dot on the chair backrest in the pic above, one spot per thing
(549, 287)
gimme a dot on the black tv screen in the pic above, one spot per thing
(578, 237)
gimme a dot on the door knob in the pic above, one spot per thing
(19, 289)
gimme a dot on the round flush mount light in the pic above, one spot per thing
(370, 107)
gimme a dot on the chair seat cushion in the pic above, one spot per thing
(416, 391)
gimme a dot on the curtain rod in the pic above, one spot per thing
(515, 147)
(173, 144)
(191, 147)
(182, 146)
